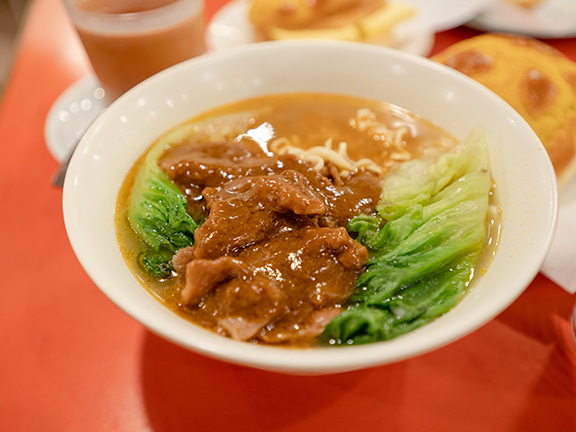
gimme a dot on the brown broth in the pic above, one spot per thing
(314, 118)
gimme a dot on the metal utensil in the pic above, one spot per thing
(58, 179)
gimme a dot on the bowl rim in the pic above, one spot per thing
(315, 360)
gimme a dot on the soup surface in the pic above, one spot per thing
(270, 252)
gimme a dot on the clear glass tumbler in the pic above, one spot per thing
(128, 41)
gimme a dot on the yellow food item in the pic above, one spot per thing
(534, 78)
(348, 20)
(347, 33)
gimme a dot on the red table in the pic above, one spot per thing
(72, 361)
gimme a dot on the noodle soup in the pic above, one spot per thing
(357, 222)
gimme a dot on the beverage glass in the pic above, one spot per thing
(128, 41)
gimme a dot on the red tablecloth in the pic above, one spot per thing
(72, 361)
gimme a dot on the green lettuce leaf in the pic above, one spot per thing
(157, 214)
(157, 209)
(423, 244)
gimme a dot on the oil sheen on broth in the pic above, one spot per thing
(272, 261)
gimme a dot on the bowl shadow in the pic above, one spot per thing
(513, 374)
(183, 390)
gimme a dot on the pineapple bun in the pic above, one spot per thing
(534, 78)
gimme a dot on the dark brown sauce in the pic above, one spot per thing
(273, 251)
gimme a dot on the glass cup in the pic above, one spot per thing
(128, 41)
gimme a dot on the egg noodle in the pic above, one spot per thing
(393, 141)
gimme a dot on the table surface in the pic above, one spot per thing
(72, 361)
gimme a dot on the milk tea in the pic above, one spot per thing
(128, 41)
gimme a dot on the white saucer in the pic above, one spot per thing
(230, 27)
(71, 114)
(442, 15)
(552, 19)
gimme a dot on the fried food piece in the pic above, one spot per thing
(349, 20)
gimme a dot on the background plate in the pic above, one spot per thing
(442, 15)
(231, 28)
(551, 19)
(71, 114)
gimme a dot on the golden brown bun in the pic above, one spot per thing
(350, 20)
(534, 78)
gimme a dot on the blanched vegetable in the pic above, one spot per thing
(157, 213)
(157, 209)
(424, 244)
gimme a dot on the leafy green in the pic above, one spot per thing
(157, 209)
(423, 245)
(156, 264)
(157, 214)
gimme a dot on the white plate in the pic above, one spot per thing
(559, 264)
(442, 15)
(230, 28)
(551, 19)
(71, 114)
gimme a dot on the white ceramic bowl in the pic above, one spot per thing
(524, 176)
